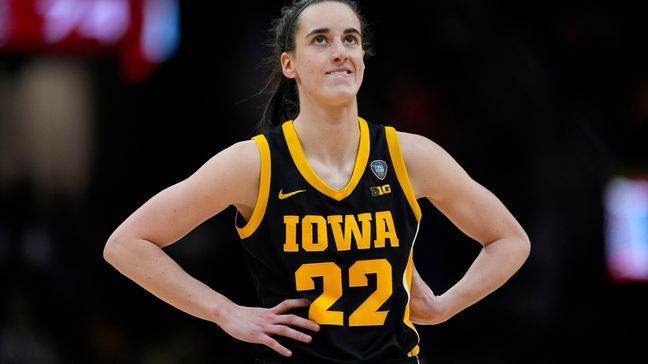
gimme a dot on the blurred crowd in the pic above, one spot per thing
(542, 102)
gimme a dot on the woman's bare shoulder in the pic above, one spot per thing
(432, 170)
(418, 149)
(232, 175)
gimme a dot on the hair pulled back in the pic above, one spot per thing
(283, 103)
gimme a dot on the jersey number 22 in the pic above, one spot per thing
(367, 313)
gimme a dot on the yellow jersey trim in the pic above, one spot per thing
(401, 172)
(300, 160)
(264, 190)
(408, 282)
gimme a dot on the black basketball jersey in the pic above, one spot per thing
(348, 251)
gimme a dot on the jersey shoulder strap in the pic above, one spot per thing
(398, 162)
(264, 189)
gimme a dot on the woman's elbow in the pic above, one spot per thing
(112, 249)
(523, 247)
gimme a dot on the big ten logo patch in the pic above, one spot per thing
(380, 190)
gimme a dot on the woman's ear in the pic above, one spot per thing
(287, 65)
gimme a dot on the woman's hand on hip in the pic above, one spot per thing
(259, 325)
(426, 308)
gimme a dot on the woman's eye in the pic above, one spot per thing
(320, 40)
(351, 40)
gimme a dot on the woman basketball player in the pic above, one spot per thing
(329, 214)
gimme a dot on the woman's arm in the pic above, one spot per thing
(434, 174)
(135, 247)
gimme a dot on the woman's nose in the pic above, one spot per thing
(340, 53)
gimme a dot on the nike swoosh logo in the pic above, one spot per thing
(286, 195)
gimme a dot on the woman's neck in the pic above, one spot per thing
(329, 135)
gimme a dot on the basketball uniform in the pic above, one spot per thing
(348, 251)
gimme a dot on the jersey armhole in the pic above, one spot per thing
(398, 162)
(264, 190)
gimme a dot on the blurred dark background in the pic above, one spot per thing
(542, 102)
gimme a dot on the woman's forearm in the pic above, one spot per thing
(149, 266)
(494, 265)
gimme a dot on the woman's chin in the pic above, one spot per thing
(340, 96)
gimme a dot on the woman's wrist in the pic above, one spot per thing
(438, 309)
(429, 309)
(220, 310)
(443, 308)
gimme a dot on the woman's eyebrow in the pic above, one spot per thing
(327, 30)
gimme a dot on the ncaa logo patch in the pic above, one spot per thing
(379, 169)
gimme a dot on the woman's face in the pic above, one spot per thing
(327, 61)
